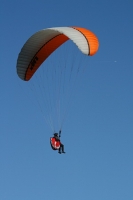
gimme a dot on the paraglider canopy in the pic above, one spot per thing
(40, 45)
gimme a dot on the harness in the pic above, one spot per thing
(54, 144)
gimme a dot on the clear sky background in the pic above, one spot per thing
(98, 132)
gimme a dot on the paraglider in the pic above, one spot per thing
(41, 45)
(56, 143)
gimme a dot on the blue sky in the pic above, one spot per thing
(98, 132)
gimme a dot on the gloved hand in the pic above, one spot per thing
(59, 133)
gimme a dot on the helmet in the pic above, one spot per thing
(55, 134)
